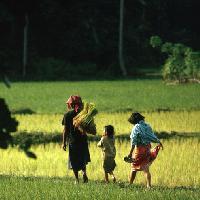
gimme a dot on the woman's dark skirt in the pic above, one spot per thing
(79, 156)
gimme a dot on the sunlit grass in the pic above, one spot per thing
(178, 121)
(177, 165)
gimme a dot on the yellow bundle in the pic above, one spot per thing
(84, 121)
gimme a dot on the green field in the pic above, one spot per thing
(173, 112)
(109, 96)
(174, 174)
(175, 121)
(176, 165)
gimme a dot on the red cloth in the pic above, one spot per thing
(154, 152)
(143, 157)
(74, 102)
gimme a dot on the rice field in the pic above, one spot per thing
(174, 108)
(175, 121)
(177, 165)
(109, 96)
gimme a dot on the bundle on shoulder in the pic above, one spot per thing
(84, 121)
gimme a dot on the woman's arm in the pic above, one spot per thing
(153, 137)
(65, 137)
(131, 151)
(134, 139)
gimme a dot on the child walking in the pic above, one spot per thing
(107, 144)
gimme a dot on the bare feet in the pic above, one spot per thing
(148, 187)
(76, 182)
(106, 181)
(114, 180)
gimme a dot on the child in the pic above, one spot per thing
(107, 143)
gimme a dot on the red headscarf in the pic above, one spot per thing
(74, 102)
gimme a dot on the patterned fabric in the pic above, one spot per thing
(142, 134)
(143, 157)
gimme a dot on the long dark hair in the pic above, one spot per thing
(135, 118)
(109, 129)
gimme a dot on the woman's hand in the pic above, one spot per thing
(130, 155)
(161, 145)
(64, 146)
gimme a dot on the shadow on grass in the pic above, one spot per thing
(41, 138)
(24, 111)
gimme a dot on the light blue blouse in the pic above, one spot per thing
(142, 134)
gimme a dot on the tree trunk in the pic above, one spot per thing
(120, 47)
(25, 45)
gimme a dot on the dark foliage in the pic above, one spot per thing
(8, 125)
(83, 35)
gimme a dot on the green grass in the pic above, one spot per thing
(109, 96)
(63, 188)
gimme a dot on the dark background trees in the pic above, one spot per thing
(68, 37)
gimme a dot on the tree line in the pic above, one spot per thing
(64, 39)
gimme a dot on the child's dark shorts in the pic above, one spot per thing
(109, 164)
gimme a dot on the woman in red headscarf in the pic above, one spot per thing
(79, 155)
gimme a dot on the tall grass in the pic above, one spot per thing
(177, 165)
(112, 96)
(178, 121)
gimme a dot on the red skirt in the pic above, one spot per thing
(143, 156)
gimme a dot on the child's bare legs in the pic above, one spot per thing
(113, 176)
(132, 176)
(148, 177)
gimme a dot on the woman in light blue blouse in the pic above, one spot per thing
(141, 152)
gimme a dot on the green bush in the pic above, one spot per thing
(155, 41)
(192, 61)
(182, 63)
